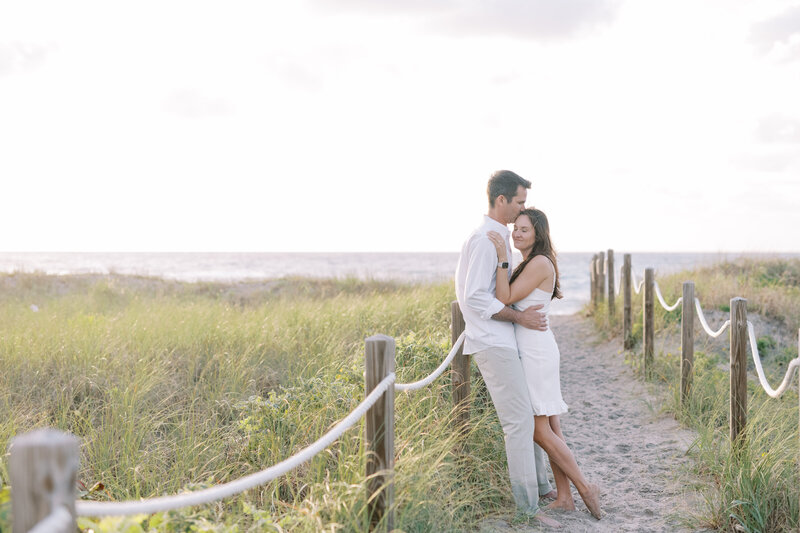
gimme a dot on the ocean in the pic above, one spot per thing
(402, 266)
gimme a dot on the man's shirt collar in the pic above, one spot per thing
(494, 225)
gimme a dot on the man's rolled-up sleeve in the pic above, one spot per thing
(482, 267)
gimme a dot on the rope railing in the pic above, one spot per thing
(226, 490)
(61, 518)
(663, 303)
(790, 370)
(742, 333)
(636, 285)
(702, 318)
(59, 521)
(674, 306)
(740, 330)
(436, 373)
(699, 308)
(232, 488)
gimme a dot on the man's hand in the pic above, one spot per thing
(531, 318)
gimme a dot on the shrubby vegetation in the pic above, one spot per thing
(176, 386)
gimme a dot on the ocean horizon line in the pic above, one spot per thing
(317, 252)
(232, 267)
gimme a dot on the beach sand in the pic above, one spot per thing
(620, 440)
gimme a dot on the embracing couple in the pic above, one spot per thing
(505, 312)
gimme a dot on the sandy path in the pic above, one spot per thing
(619, 440)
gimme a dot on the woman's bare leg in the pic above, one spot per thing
(564, 499)
(560, 454)
(562, 502)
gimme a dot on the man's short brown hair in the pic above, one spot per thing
(506, 183)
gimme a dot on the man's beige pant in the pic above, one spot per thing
(502, 372)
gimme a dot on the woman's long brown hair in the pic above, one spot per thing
(542, 245)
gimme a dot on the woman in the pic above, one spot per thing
(535, 281)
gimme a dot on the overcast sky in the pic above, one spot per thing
(373, 125)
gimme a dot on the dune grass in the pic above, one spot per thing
(176, 386)
(753, 487)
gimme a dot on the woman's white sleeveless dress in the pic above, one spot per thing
(540, 358)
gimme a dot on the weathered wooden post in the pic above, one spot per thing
(379, 433)
(43, 467)
(593, 281)
(459, 373)
(687, 340)
(627, 318)
(649, 349)
(601, 276)
(738, 411)
(611, 285)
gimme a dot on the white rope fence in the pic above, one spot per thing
(637, 287)
(436, 373)
(736, 325)
(663, 303)
(702, 318)
(700, 315)
(787, 379)
(794, 364)
(225, 490)
(60, 519)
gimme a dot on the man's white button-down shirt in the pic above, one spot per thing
(476, 279)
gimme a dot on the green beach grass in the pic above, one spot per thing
(754, 488)
(176, 386)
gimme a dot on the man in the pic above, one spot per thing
(490, 339)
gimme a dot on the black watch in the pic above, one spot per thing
(504, 264)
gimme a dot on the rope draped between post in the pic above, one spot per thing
(738, 357)
(167, 503)
(60, 519)
(702, 318)
(663, 303)
(787, 379)
(637, 287)
(436, 373)
(794, 364)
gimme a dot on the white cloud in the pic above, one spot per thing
(778, 129)
(772, 161)
(18, 57)
(779, 34)
(191, 104)
(539, 20)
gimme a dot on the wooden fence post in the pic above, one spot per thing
(43, 467)
(649, 290)
(459, 373)
(379, 433)
(601, 276)
(593, 281)
(738, 411)
(611, 285)
(627, 319)
(687, 340)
